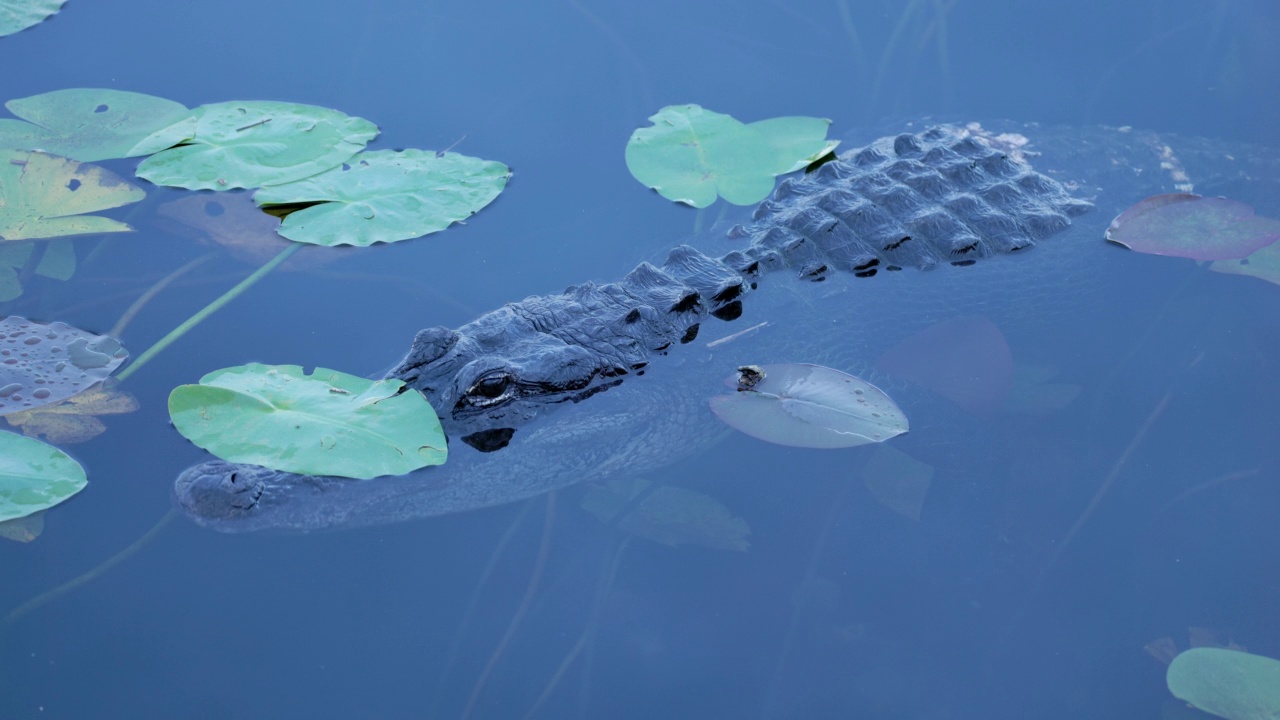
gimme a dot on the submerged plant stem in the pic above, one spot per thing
(208, 310)
(151, 292)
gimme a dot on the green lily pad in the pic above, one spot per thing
(90, 124)
(669, 515)
(44, 196)
(42, 363)
(808, 406)
(1191, 226)
(691, 154)
(1228, 683)
(1263, 264)
(385, 196)
(18, 15)
(257, 143)
(34, 476)
(326, 423)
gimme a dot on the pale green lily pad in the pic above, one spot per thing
(257, 143)
(1263, 264)
(385, 196)
(43, 196)
(45, 363)
(669, 515)
(1228, 683)
(34, 476)
(809, 406)
(18, 15)
(691, 154)
(326, 423)
(90, 124)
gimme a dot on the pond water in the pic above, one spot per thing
(1055, 549)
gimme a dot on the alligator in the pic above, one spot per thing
(609, 380)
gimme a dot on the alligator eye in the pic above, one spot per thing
(490, 387)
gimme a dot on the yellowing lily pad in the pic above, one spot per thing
(387, 195)
(74, 420)
(18, 15)
(1191, 226)
(34, 476)
(691, 154)
(253, 144)
(41, 364)
(1228, 683)
(808, 406)
(90, 124)
(670, 515)
(326, 423)
(43, 196)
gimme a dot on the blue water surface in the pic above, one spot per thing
(841, 608)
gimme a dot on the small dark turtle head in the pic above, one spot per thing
(221, 490)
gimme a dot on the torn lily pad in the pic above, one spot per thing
(387, 195)
(325, 423)
(44, 363)
(91, 124)
(258, 143)
(16, 15)
(43, 196)
(1192, 226)
(34, 476)
(691, 154)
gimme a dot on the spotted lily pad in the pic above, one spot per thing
(808, 406)
(1191, 226)
(691, 154)
(387, 195)
(253, 144)
(34, 476)
(90, 124)
(74, 420)
(326, 423)
(1228, 683)
(18, 15)
(44, 363)
(669, 515)
(43, 196)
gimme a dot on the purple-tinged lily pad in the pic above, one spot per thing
(808, 406)
(966, 360)
(44, 363)
(1191, 226)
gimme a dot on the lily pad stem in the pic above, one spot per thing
(208, 310)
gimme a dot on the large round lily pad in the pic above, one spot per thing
(90, 124)
(256, 143)
(326, 423)
(1191, 226)
(385, 196)
(42, 364)
(18, 15)
(691, 154)
(809, 406)
(43, 196)
(34, 476)
(1228, 683)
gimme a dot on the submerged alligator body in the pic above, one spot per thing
(560, 389)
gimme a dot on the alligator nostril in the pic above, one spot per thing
(232, 478)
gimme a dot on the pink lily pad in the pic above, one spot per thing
(808, 406)
(1191, 226)
(966, 360)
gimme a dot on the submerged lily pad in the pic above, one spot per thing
(897, 480)
(810, 406)
(43, 196)
(257, 143)
(44, 363)
(691, 154)
(1228, 683)
(669, 515)
(966, 360)
(232, 221)
(1191, 226)
(326, 423)
(18, 15)
(34, 476)
(385, 196)
(74, 420)
(57, 261)
(90, 124)
(23, 529)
